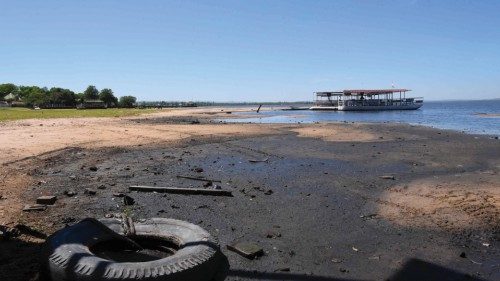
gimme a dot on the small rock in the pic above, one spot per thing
(198, 170)
(462, 255)
(207, 184)
(269, 192)
(334, 260)
(343, 270)
(118, 194)
(246, 249)
(127, 200)
(175, 207)
(102, 186)
(216, 186)
(273, 234)
(89, 191)
(72, 177)
(69, 193)
(93, 168)
(46, 200)
(388, 177)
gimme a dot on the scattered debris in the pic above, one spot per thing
(387, 177)
(7, 232)
(273, 234)
(269, 192)
(181, 190)
(68, 220)
(355, 249)
(198, 178)
(36, 207)
(89, 191)
(46, 200)
(368, 217)
(246, 249)
(257, 161)
(69, 193)
(26, 230)
(258, 109)
(127, 200)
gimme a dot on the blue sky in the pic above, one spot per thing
(253, 50)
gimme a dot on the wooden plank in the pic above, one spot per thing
(181, 190)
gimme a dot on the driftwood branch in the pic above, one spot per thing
(181, 190)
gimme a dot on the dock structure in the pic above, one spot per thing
(364, 99)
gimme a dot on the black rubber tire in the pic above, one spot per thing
(66, 254)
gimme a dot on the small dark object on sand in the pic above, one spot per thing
(269, 192)
(388, 177)
(89, 191)
(93, 168)
(46, 200)
(127, 200)
(246, 249)
(180, 190)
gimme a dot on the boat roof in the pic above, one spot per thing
(361, 92)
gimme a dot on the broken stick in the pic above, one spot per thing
(181, 190)
(198, 179)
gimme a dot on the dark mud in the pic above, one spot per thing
(312, 206)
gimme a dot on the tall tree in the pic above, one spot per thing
(7, 88)
(127, 101)
(91, 93)
(108, 98)
(33, 95)
(62, 96)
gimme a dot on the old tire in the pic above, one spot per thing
(67, 253)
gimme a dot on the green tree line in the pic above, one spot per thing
(42, 96)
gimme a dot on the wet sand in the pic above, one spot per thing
(337, 219)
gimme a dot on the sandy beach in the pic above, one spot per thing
(343, 201)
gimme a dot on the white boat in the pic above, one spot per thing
(366, 100)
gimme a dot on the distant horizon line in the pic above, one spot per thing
(285, 102)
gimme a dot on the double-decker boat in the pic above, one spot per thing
(360, 100)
